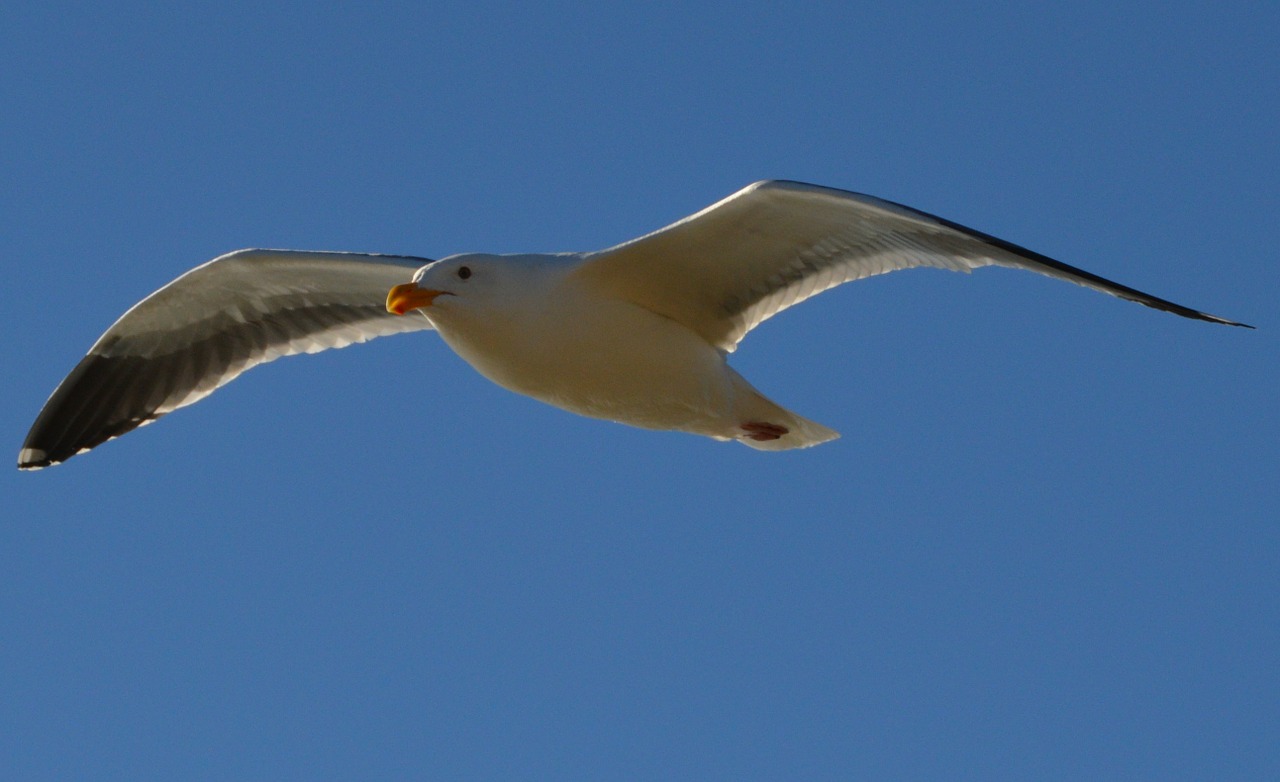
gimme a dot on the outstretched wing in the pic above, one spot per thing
(203, 329)
(726, 269)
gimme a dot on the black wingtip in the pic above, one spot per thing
(92, 405)
(1186, 312)
(33, 459)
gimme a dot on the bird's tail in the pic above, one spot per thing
(764, 425)
(801, 433)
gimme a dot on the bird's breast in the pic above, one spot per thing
(598, 357)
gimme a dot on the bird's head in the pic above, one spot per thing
(462, 287)
(463, 281)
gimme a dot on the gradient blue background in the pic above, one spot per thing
(1046, 548)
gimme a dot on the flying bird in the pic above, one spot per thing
(638, 333)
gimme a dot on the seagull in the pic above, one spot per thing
(638, 333)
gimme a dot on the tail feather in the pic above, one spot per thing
(801, 433)
(756, 414)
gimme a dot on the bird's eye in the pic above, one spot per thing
(464, 272)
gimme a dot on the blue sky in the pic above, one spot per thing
(1045, 548)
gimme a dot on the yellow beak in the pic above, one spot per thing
(409, 296)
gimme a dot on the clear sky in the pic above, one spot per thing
(1046, 547)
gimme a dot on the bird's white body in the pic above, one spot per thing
(551, 336)
(637, 333)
